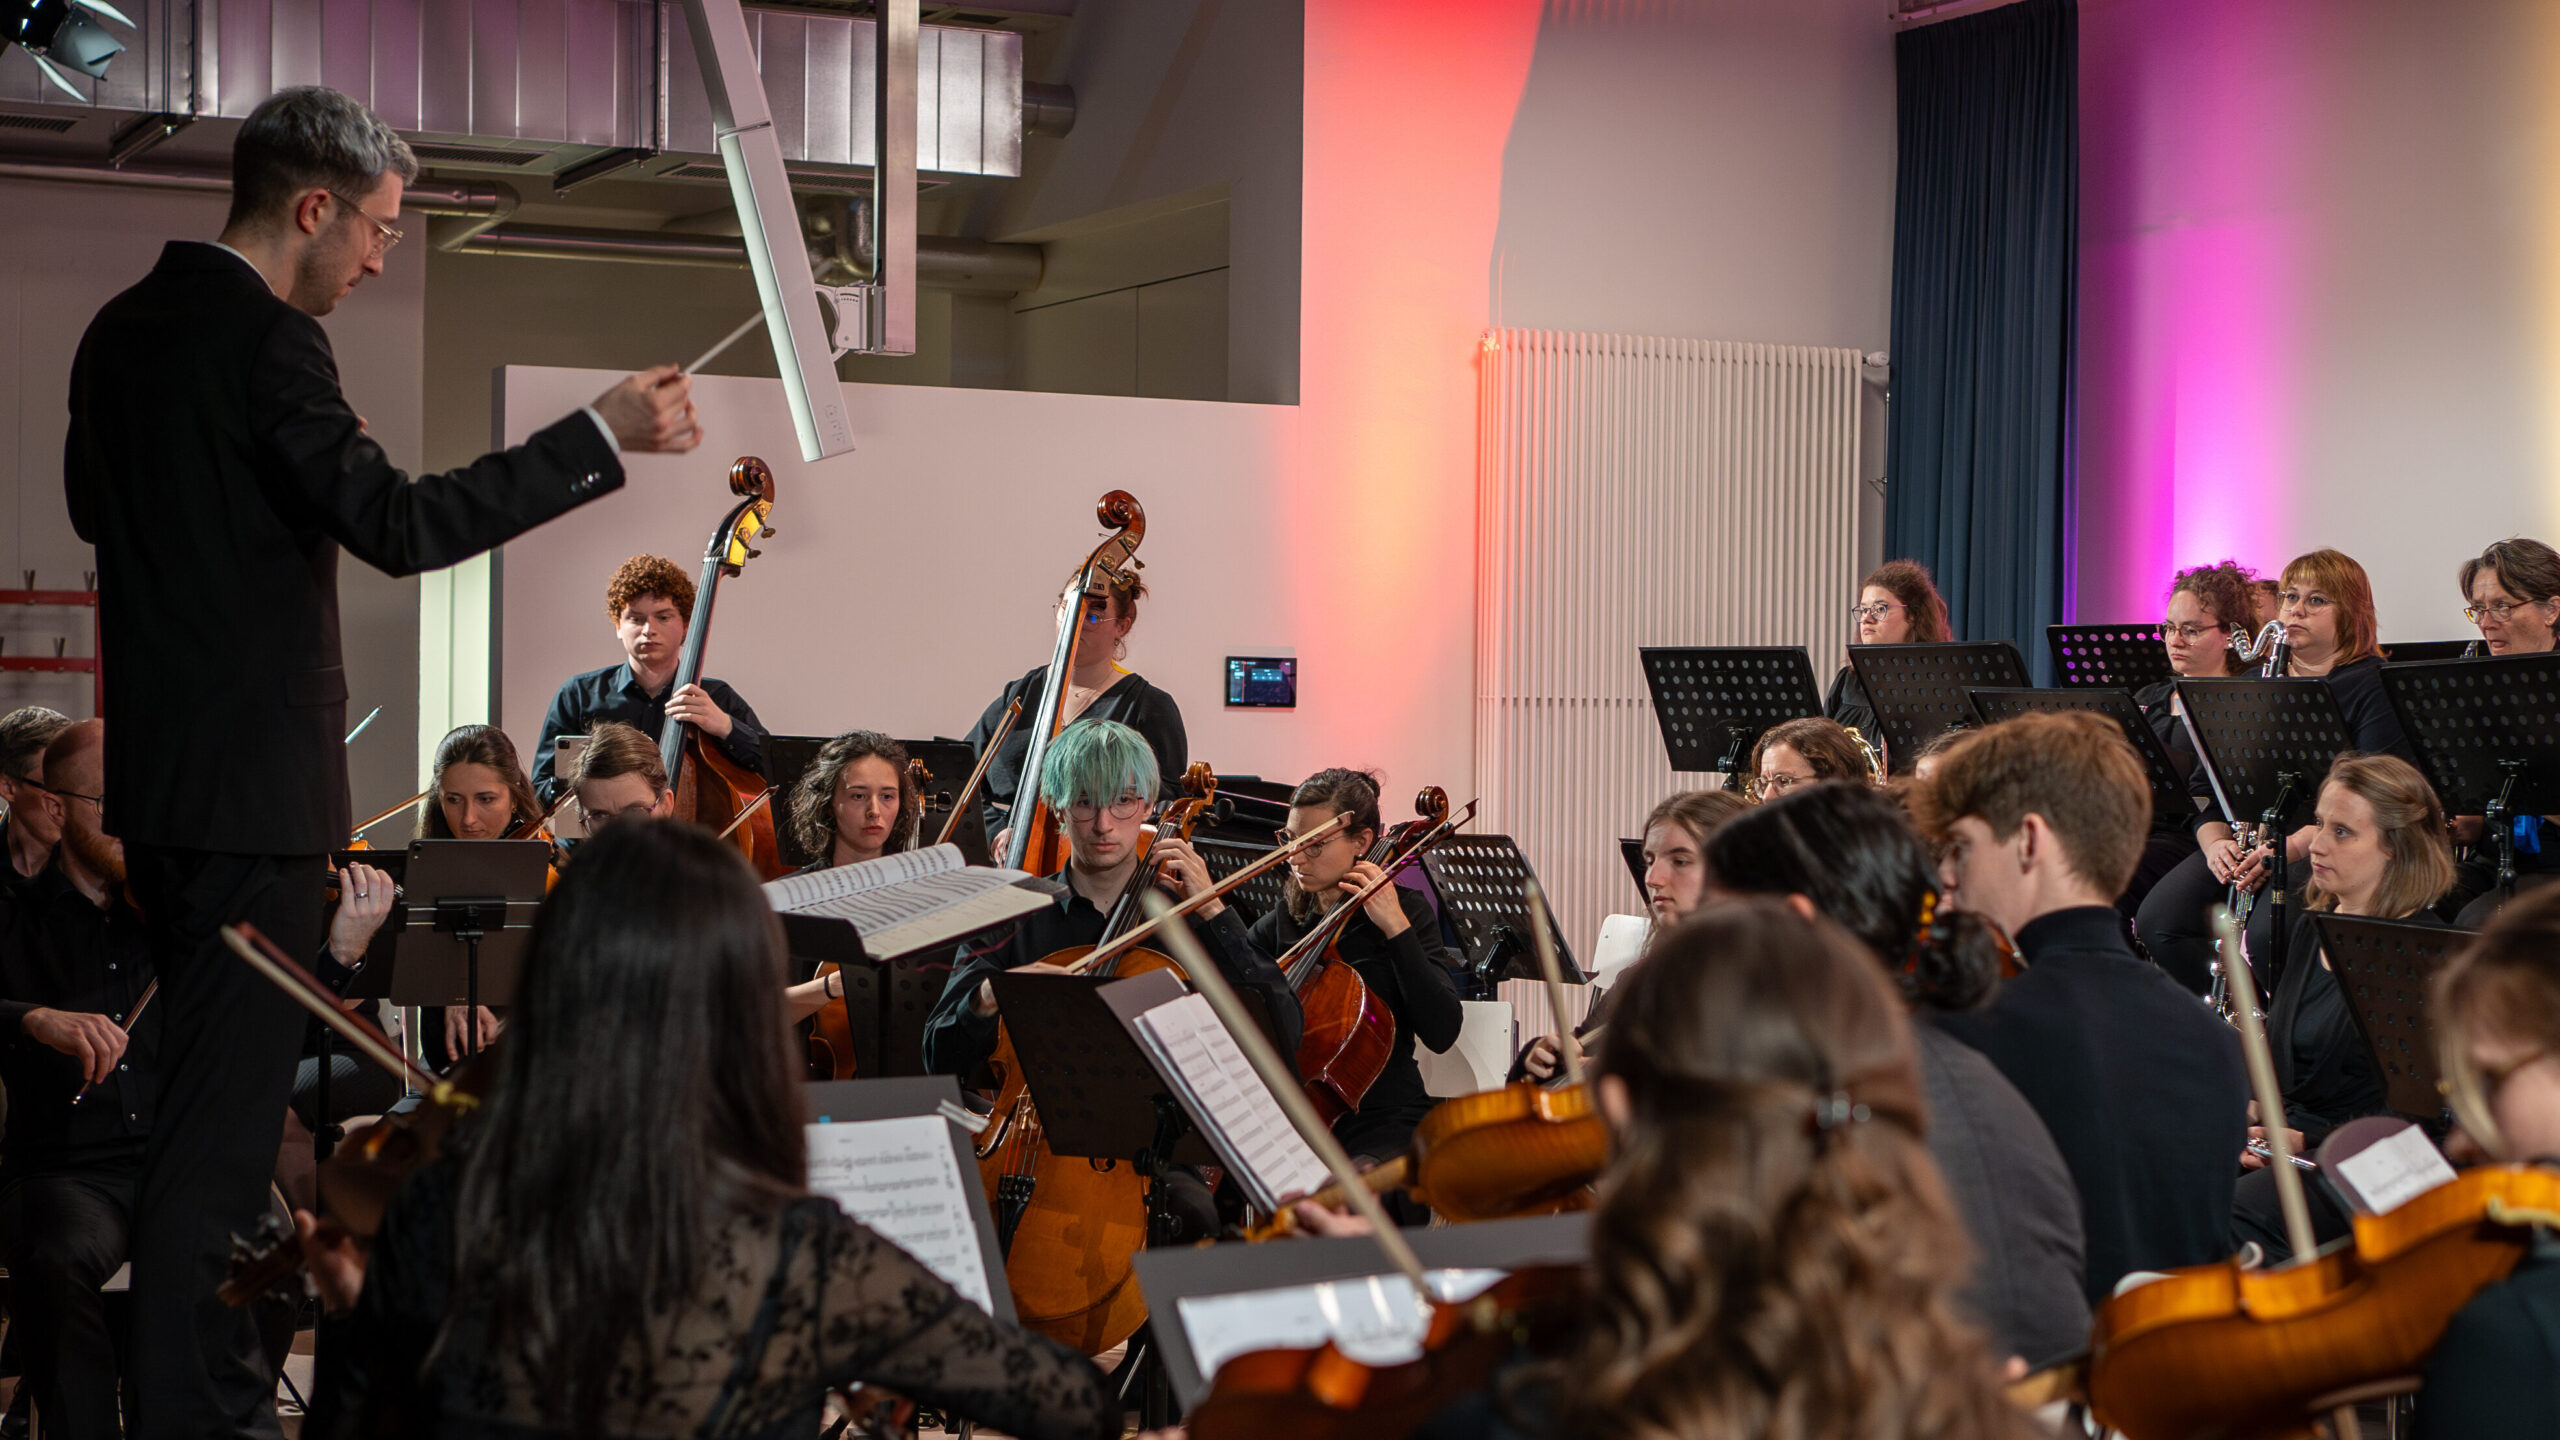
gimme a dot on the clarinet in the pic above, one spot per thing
(2271, 652)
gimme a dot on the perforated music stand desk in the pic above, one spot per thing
(2487, 734)
(467, 920)
(1095, 1088)
(2383, 969)
(1919, 690)
(2168, 788)
(1713, 701)
(1170, 1276)
(2250, 732)
(2125, 656)
(2424, 650)
(850, 1102)
(1482, 883)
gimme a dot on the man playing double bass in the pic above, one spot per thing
(218, 471)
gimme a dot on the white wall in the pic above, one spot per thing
(65, 250)
(909, 582)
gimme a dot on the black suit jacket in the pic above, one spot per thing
(218, 471)
(2141, 1087)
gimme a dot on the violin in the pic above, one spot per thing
(356, 840)
(711, 789)
(1350, 1034)
(358, 1181)
(1037, 844)
(1067, 1227)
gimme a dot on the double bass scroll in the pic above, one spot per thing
(711, 789)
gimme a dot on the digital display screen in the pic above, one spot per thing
(1262, 680)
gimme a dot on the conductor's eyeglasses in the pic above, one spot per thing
(1127, 807)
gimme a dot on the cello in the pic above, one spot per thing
(1350, 1035)
(711, 789)
(1037, 844)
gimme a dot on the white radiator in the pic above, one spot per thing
(1638, 491)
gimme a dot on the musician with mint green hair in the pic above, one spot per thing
(1100, 778)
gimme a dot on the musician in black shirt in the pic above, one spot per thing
(651, 603)
(1393, 944)
(1898, 604)
(1098, 688)
(27, 842)
(74, 962)
(2512, 593)
(2206, 605)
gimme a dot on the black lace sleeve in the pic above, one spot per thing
(881, 1317)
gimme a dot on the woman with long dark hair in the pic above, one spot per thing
(1850, 854)
(621, 1240)
(1772, 1253)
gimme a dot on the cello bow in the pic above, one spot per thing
(978, 774)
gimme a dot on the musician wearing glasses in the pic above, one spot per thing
(1805, 752)
(1099, 687)
(2206, 604)
(1898, 604)
(2326, 607)
(2513, 594)
(1100, 777)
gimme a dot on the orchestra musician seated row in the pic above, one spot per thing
(650, 601)
(620, 1240)
(30, 837)
(2207, 605)
(2377, 849)
(2511, 591)
(1898, 604)
(1772, 1250)
(1805, 751)
(1847, 852)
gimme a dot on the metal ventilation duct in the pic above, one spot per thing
(552, 86)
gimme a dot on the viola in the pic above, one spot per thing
(1350, 1034)
(711, 789)
(1068, 1227)
(357, 1181)
(1037, 844)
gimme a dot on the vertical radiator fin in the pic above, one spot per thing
(1637, 491)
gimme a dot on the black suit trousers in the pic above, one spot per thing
(63, 1234)
(229, 1043)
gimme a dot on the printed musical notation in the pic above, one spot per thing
(902, 1178)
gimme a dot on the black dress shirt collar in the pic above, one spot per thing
(2080, 928)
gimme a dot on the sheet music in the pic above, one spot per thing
(1229, 1102)
(1532, 1015)
(2390, 1173)
(1371, 1319)
(902, 1178)
(906, 902)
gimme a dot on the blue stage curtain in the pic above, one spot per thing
(1985, 243)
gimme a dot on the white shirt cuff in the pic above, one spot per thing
(606, 430)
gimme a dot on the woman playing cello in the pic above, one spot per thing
(1393, 944)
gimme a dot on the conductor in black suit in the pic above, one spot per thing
(217, 470)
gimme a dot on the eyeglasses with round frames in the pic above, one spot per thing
(1127, 807)
(2191, 630)
(1875, 609)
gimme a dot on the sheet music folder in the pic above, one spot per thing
(1173, 1275)
(854, 1102)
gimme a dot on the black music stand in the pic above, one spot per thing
(2128, 657)
(888, 1030)
(949, 762)
(1256, 897)
(1713, 701)
(1195, 1273)
(2266, 746)
(1632, 851)
(1919, 690)
(851, 1102)
(2487, 734)
(2383, 969)
(2168, 787)
(467, 921)
(2424, 650)
(1481, 880)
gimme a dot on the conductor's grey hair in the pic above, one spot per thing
(305, 138)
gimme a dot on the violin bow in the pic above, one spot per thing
(263, 956)
(1276, 1075)
(130, 1016)
(1323, 932)
(1156, 917)
(1544, 925)
(986, 757)
(358, 832)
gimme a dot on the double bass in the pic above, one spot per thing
(1037, 845)
(711, 789)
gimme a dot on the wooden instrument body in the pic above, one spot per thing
(1038, 844)
(1522, 1150)
(1068, 1266)
(831, 1055)
(2221, 1351)
(1323, 1394)
(711, 789)
(1348, 1040)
